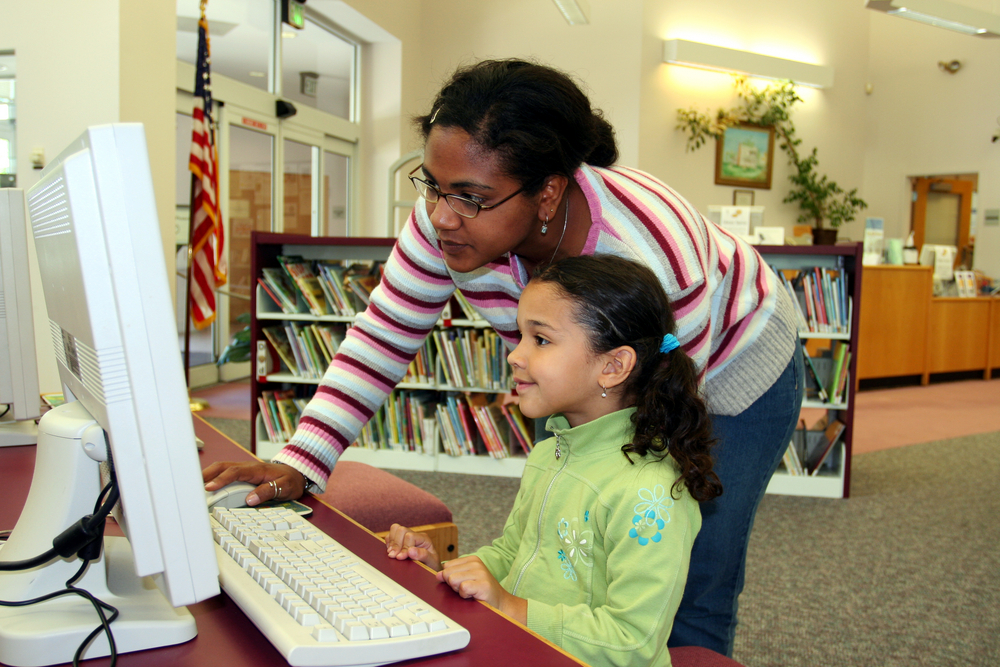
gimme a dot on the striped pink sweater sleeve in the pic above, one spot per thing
(374, 356)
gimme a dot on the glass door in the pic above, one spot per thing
(251, 192)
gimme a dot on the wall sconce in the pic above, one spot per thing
(576, 12)
(941, 14)
(950, 67)
(721, 59)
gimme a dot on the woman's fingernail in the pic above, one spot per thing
(252, 500)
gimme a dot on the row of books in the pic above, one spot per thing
(810, 449)
(461, 425)
(280, 412)
(828, 374)
(821, 298)
(305, 350)
(469, 358)
(320, 287)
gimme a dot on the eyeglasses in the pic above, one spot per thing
(464, 206)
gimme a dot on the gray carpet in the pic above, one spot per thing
(904, 573)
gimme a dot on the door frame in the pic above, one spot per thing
(922, 185)
(255, 109)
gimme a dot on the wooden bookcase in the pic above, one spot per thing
(827, 484)
(265, 250)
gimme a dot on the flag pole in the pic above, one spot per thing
(195, 404)
(187, 290)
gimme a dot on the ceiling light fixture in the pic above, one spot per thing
(941, 14)
(721, 59)
(576, 12)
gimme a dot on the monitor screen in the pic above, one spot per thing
(101, 260)
(18, 369)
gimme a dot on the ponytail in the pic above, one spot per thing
(671, 418)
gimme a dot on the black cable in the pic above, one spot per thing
(78, 536)
(6, 410)
(89, 550)
(99, 605)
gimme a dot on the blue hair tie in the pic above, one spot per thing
(669, 343)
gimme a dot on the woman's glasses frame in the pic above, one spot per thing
(464, 206)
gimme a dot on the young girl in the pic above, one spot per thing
(595, 552)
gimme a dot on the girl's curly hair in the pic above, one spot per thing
(620, 302)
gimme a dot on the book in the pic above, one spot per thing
(811, 371)
(262, 405)
(831, 437)
(278, 338)
(306, 282)
(841, 393)
(288, 412)
(274, 297)
(331, 276)
(282, 287)
(839, 352)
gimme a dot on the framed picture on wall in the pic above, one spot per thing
(743, 156)
(742, 197)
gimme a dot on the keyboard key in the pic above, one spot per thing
(375, 629)
(324, 632)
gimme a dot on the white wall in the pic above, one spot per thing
(73, 71)
(923, 121)
(823, 32)
(605, 56)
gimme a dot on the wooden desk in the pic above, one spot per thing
(226, 638)
(905, 330)
(895, 306)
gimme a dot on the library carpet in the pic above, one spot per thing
(905, 572)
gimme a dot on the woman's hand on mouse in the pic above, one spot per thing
(275, 481)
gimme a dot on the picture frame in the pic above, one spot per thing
(743, 197)
(744, 155)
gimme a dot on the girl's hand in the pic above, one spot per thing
(275, 481)
(469, 578)
(402, 543)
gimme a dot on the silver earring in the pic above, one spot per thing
(604, 392)
(545, 224)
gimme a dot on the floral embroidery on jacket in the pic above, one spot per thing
(578, 545)
(651, 515)
(569, 572)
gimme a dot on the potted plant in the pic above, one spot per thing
(822, 203)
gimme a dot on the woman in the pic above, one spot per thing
(518, 173)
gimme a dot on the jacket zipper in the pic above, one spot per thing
(538, 528)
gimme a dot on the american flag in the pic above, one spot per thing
(208, 264)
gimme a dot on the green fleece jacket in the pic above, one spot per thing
(597, 545)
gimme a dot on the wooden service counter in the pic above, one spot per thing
(905, 330)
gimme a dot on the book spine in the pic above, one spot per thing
(815, 376)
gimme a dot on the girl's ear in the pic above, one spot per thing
(551, 196)
(620, 362)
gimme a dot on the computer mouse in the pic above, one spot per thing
(231, 496)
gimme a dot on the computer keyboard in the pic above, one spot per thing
(317, 602)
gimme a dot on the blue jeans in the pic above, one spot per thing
(750, 447)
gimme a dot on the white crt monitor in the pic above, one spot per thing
(101, 260)
(18, 368)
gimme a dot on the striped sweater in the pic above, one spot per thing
(732, 317)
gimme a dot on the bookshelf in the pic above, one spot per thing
(833, 479)
(432, 388)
